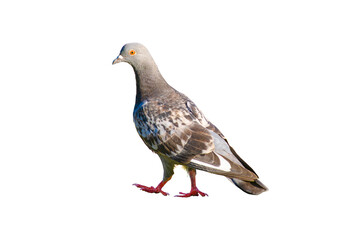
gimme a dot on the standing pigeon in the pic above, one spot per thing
(173, 127)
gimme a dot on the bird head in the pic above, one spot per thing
(134, 54)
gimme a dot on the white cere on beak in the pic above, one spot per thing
(118, 59)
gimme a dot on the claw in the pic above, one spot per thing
(193, 192)
(151, 189)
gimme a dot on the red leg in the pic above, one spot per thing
(194, 191)
(152, 189)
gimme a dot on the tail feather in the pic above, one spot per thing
(253, 188)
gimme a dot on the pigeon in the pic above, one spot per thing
(174, 128)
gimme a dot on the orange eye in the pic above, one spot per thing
(132, 52)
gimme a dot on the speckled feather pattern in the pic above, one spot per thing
(167, 127)
(173, 126)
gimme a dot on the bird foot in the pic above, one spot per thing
(151, 189)
(193, 192)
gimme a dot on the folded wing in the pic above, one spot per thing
(184, 135)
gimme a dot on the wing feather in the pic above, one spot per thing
(172, 131)
(182, 133)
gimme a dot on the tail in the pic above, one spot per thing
(253, 188)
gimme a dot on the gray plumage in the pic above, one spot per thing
(173, 127)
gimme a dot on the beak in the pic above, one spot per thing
(118, 59)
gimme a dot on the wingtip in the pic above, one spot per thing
(260, 184)
(254, 188)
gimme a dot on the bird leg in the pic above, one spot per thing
(168, 167)
(153, 189)
(194, 191)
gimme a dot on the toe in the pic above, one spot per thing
(151, 189)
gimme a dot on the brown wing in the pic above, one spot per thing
(172, 131)
(207, 124)
(175, 132)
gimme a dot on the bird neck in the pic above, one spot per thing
(149, 82)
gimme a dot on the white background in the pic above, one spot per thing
(281, 79)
